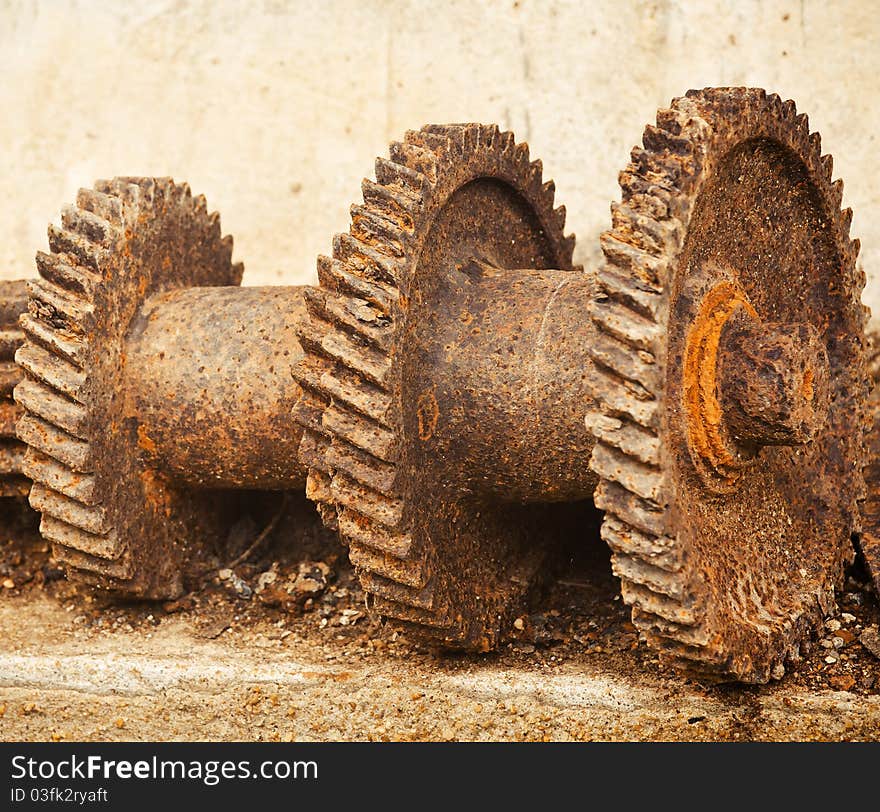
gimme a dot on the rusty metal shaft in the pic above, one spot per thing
(502, 402)
(208, 382)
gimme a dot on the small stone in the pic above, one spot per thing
(838, 642)
(826, 642)
(843, 682)
(845, 635)
(831, 659)
(8, 583)
(832, 625)
(225, 575)
(239, 585)
(310, 580)
(870, 639)
(266, 579)
(778, 671)
(518, 624)
(846, 617)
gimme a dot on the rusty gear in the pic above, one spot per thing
(732, 388)
(114, 521)
(13, 302)
(438, 533)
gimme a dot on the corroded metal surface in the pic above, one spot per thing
(435, 422)
(137, 384)
(457, 369)
(13, 302)
(731, 268)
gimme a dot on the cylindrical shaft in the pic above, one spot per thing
(498, 402)
(210, 388)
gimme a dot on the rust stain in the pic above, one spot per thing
(144, 440)
(700, 378)
(428, 413)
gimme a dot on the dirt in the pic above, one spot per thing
(282, 647)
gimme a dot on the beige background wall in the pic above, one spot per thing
(275, 110)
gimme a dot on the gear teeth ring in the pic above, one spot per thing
(13, 302)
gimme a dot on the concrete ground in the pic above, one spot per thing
(225, 664)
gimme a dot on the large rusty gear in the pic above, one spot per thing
(454, 207)
(732, 389)
(113, 521)
(13, 302)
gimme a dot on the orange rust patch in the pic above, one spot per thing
(145, 441)
(155, 491)
(807, 385)
(704, 412)
(428, 413)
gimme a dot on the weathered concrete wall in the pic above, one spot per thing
(275, 111)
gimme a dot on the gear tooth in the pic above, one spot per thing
(75, 246)
(836, 194)
(58, 307)
(789, 110)
(360, 465)
(374, 230)
(416, 158)
(802, 123)
(44, 469)
(91, 519)
(84, 551)
(183, 192)
(333, 274)
(401, 178)
(827, 164)
(101, 204)
(845, 222)
(406, 571)
(507, 141)
(214, 224)
(424, 599)
(816, 147)
(66, 275)
(488, 136)
(521, 154)
(774, 103)
(51, 357)
(364, 260)
(559, 214)
(45, 402)
(54, 442)
(200, 203)
(359, 431)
